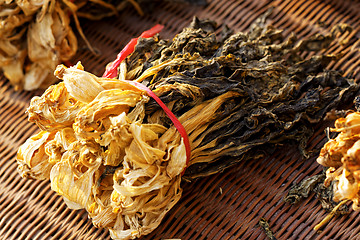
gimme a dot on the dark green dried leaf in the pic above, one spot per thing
(315, 184)
(279, 94)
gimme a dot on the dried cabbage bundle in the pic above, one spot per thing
(36, 36)
(108, 147)
(341, 156)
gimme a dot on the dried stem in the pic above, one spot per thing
(330, 215)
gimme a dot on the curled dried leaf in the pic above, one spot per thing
(32, 158)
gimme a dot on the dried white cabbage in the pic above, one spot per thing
(100, 156)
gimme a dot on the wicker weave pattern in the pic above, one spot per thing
(224, 206)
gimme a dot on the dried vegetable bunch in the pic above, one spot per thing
(36, 36)
(342, 157)
(108, 147)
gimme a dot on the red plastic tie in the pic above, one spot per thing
(112, 70)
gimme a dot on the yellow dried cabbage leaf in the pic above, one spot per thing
(32, 160)
(72, 177)
(81, 85)
(55, 109)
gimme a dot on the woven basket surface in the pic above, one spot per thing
(227, 205)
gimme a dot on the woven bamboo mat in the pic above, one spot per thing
(227, 205)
